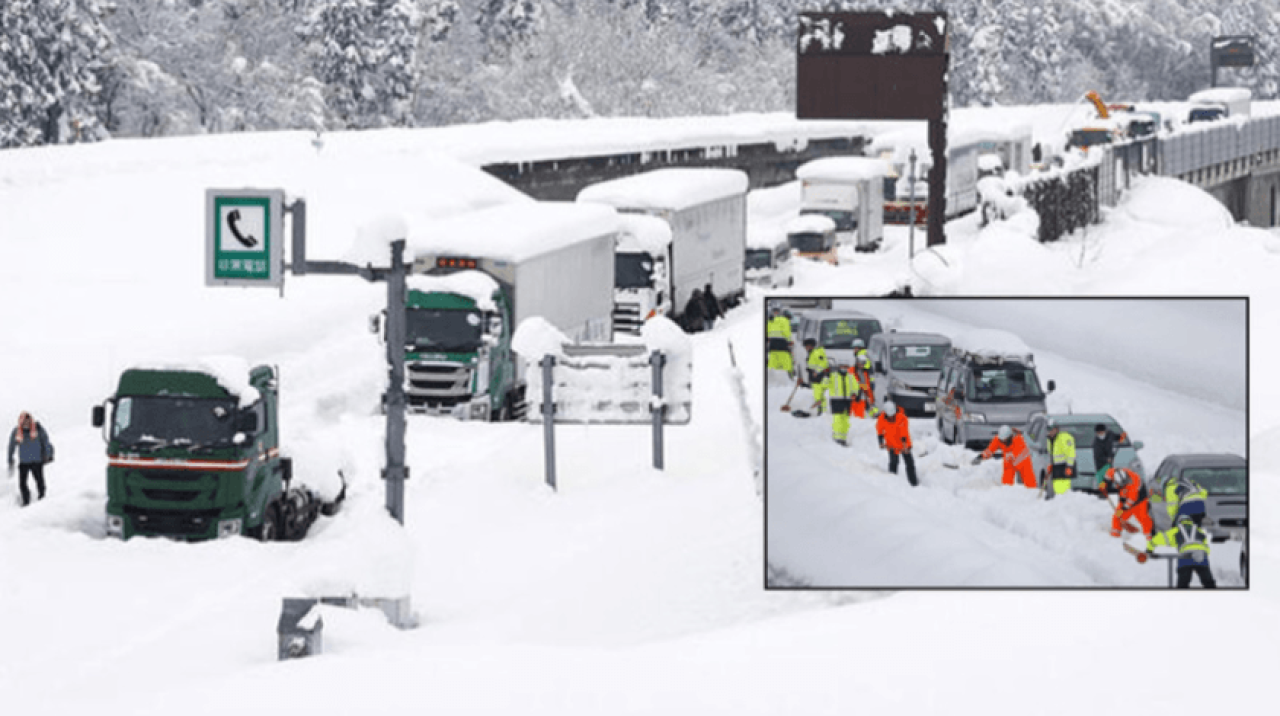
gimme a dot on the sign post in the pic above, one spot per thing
(879, 66)
(1230, 51)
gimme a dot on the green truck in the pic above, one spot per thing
(477, 277)
(194, 454)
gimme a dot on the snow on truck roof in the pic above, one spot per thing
(811, 224)
(765, 235)
(991, 343)
(674, 188)
(230, 372)
(639, 232)
(1223, 95)
(513, 232)
(843, 169)
(475, 285)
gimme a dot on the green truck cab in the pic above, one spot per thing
(192, 455)
(458, 352)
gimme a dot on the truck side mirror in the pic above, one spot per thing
(495, 325)
(99, 417)
(375, 323)
(286, 469)
(1052, 386)
(1137, 445)
(879, 367)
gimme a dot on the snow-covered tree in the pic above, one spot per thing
(51, 58)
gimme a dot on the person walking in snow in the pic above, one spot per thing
(779, 344)
(894, 433)
(1062, 469)
(862, 366)
(817, 367)
(1105, 441)
(1017, 458)
(34, 450)
(1133, 499)
(710, 306)
(694, 319)
(1192, 544)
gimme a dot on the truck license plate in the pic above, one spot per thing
(928, 407)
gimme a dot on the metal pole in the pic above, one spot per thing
(937, 180)
(659, 410)
(548, 420)
(298, 222)
(396, 471)
(911, 211)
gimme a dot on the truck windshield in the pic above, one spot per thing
(759, 258)
(808, 243)
(916, 357)
(1220, 480)
(840, 333)
(633, 270)
(1005, 383)
(443, 330)
(153, 422)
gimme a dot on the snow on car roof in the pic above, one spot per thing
(765, 235)
(475, 285)
(811, 224)
(638, 232)
(844, 169)
(1224, 95)
(674, 188)
(902, 337)
(512, 232)
(991, 342)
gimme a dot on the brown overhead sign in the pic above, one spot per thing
(871, 65)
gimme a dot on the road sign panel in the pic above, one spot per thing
(244, 245)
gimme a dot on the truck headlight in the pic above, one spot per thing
(975, 417)
(115, 526)
(229, 528)
(480, 411)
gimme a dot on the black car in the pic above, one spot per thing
(1223, 475)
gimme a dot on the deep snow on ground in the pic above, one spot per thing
(628, 591)
(837, 518)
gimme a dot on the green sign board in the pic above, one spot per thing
(244, 245)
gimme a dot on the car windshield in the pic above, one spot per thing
(759, 258)
(442, 330)
(811, 243)
(632, 270)
(916, 357)
(1004, 383)
(841, 333)
(159, 421)
(845, 220)
(1220, 480)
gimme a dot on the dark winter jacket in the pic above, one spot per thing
(693, 312)
(1104, 449)
(710, 306)
(30, 451)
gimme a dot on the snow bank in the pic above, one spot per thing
(535, 337)
(641, 233)
(513, 232)
(810, 224)
(230, 372)
(1163, 201)
(474, 285)
(843, 169)
(676, 188)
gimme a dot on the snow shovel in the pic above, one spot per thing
(1126, 525)
(786, 407)
(805, 413)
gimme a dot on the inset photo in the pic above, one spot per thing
(1024, 443)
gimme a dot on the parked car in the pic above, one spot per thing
(835, 331)
(1083, 427)
(988, 379)
(1223, 475)
(907, 366)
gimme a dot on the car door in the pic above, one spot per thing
(1037, 444)
(1155, 492)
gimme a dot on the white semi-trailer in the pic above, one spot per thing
(479, 275)
(849, 191)
(706, 211)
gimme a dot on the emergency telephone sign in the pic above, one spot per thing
(243, 242)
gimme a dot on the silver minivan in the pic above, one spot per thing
(978, 391)
(907, 366)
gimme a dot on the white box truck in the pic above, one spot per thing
(849, 191)
(706, 211)
(477, 276)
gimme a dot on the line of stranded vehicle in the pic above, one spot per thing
(982, 379)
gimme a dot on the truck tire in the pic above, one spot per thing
(269, 530)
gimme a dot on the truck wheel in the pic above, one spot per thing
(269, 530)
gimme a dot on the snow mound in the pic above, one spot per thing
(1171, 202)
(843, 169)
(535, 337)
(1009, 249)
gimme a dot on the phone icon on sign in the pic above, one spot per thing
(233, 218)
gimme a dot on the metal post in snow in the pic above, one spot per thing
(549, 420)
(657, 407)
(396, 471)
(911, 208)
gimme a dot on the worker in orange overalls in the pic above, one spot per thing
(895, 436)
(1017, 458)
(1133, 499)
(858, 408)
(862, 368)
